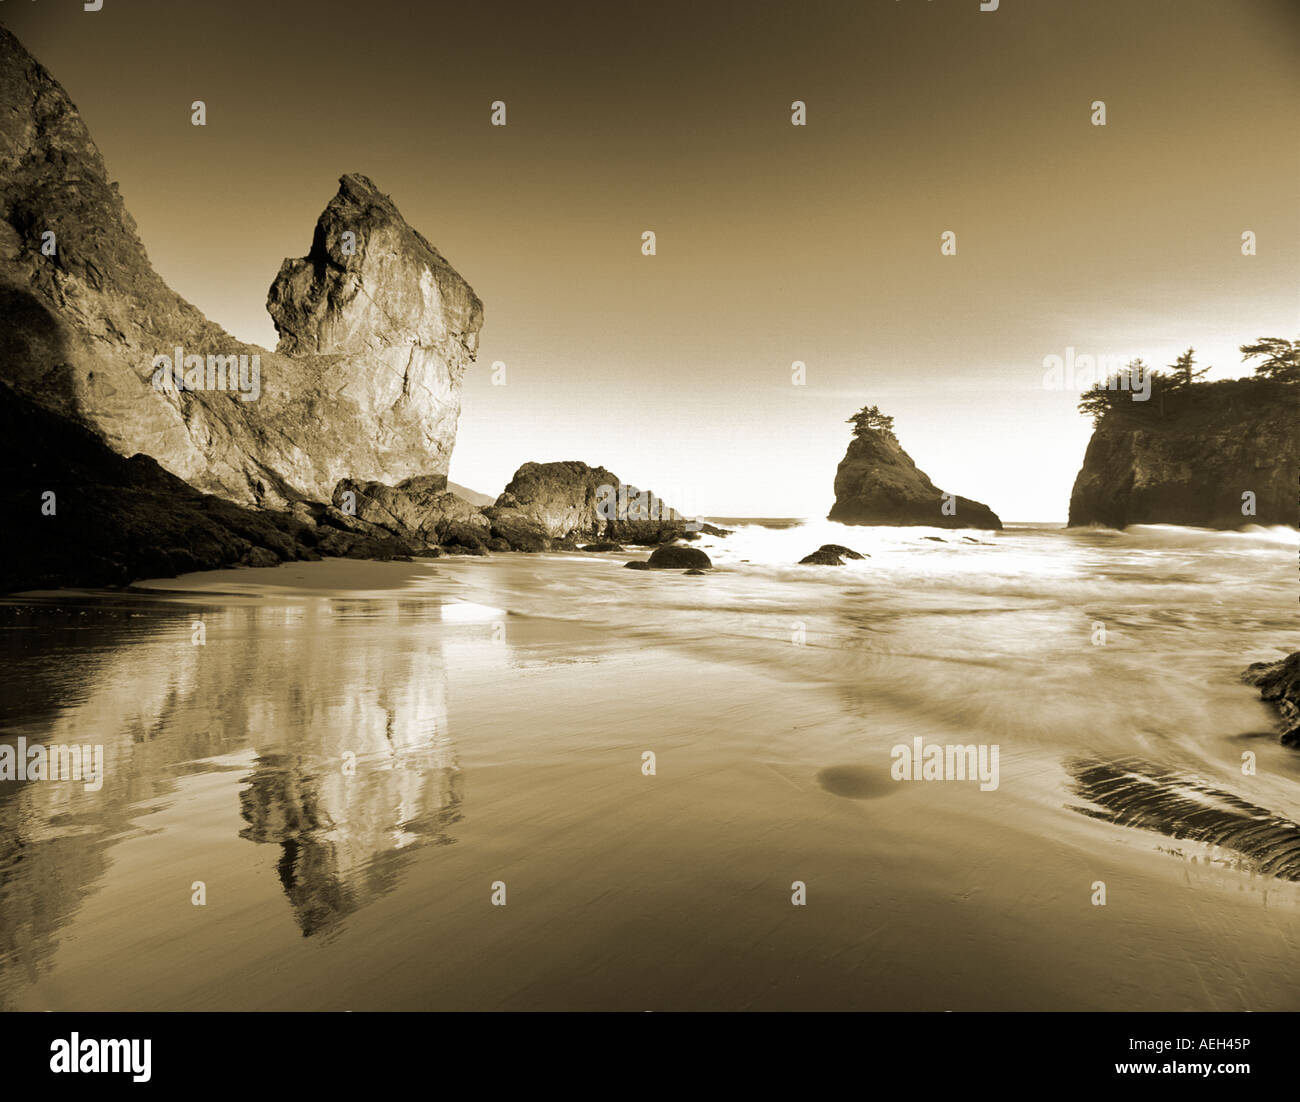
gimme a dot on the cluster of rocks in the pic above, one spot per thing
(545, 507)
(77, 513)
(81, 514)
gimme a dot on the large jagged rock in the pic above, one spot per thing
(403, 325)
(546, 502)
(877, 483)
(375, 334)
(1194, 461)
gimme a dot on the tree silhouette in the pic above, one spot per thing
(1102, 397)
(870, 419)
(1280, 359)
(1184, 369)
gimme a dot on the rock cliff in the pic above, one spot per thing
(77, 513)
(878, 483)
(1218, 455)
(376, 328)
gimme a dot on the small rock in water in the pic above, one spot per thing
(840, 549)
(1279, 684)
(822, 558)
(670, 557)
(637, 565)
(602, 547)
(695, 572)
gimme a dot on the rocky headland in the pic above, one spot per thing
(1212, 455)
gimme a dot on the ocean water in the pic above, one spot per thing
(365, 786)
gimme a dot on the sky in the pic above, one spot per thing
(774, 243)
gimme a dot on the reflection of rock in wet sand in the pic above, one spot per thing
(1138, 794)
(45, 876)
(300, 683)
(73, 678)
(344, 838)
(352, 772)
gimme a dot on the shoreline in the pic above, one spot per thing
(514, 754)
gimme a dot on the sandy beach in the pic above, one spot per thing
(492, 743)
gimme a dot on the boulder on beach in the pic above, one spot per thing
(1279, 683)
(571, 500)
(674, 557)
(517, 530)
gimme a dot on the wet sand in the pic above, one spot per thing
(496, 745)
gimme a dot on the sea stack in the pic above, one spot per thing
(878, 483)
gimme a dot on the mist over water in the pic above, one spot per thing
(497, 711)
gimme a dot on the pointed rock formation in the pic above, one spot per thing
(877, 483)
(376, 329)
(392, 320)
